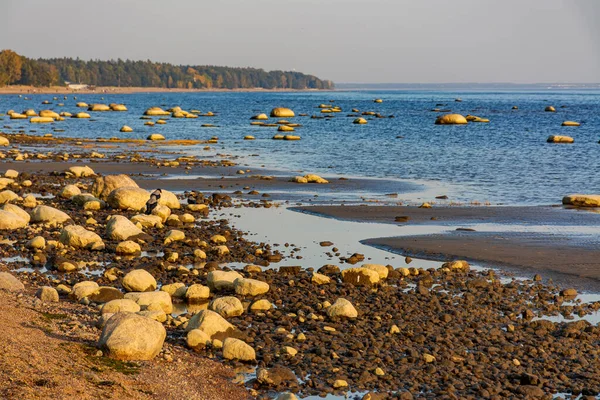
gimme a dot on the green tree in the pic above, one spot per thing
(10, 67)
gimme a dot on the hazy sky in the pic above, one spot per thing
(523, 41)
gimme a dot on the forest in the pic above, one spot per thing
(20, 70)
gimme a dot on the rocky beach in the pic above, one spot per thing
(180, 303)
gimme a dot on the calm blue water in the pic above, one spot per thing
(506, 161)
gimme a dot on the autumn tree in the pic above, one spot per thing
(10, 67)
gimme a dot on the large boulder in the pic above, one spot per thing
(47, 294)
(104, 185)
(83, 289)
(250, 287)
(9, 283)
(139, 280)
(227, 306)
(451, 119)
(128, 197)
(128, 336)
(128, 247)
(148, 221)
(282, 112)
(197, 294)
(98, 107)
(211, 323)
(4, 141)
(120, 228)
(360, 276)
(159, 299)
(6, 196)
(11, 221)
(18, 211)
(222, 280)
(197, 339)
(342, 308)
(79, 237)
(582, 200)
(49, 214)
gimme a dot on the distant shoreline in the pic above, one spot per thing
(19, 89)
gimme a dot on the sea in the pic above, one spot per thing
(506, 161)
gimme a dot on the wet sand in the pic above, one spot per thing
(568, 258)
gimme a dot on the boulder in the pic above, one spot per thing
(104, 185)
(69, 191)
(139, 280)
(49, 214)
(98, 107)
(11, 221)
(155, 136)
(6, 196)
(117, 107)
(342, 308)
(38, 242)
(9, 283)
(126, 128)
(17, 211)
(83, 289)
(222, 280)
(120, 305)
(47, 294)
(128, 247)
(81, 115)
(451, 119)
(360, 276)
(458, 265)
(176, 290)
(128, 197)
(104, 294)
(80, 171)
(160, 299)
(381, 270)
(79, 237)
(11, 174)
(582, 200)
(4, 182)
(156, 111)
(260, 117)
(236, 349)
(281, 112)
(174, 236)
(197, 339)
(169, 199)
(4, 141)
(276, 376)
(312, 178)
(227, 306)
(359, 121)
(128, 336)
(560, 139)
(148, 221)
(250, 287)
(320, 279)
(41, 120)
(211, 323)
(197, 293)
(120, 228)
(261, 305)
(550, 109)
(570, 123)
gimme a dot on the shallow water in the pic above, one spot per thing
(505, 161)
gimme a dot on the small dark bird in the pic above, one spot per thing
(153, 202)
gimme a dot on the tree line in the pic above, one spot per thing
(19, 70)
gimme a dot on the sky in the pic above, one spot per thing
(359, 41)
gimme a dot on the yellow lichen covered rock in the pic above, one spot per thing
(559, 139)
(98, 107)
(451, 119)
(282, 112)
(582, 200)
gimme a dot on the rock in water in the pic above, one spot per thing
(451, 119)
(128, 336)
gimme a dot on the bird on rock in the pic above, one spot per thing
(153, 201)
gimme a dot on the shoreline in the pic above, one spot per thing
(303, 341)
(132, 90)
